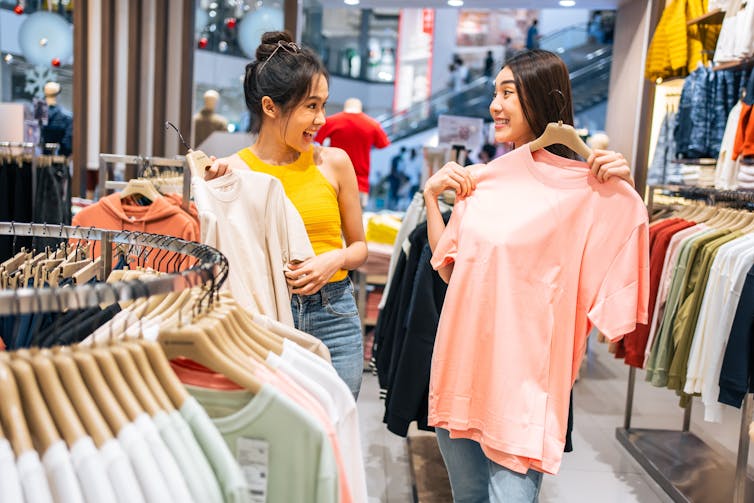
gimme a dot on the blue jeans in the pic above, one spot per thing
(476, 479)
(331, 316)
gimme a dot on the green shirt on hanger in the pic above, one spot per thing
(688, 313)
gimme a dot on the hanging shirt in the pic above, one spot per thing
(153, 484)
(60, 474)
(280, 447)
(247, 216)
(346, 417)
(307, 341)
(227, 470)
(184, 460)
(313, 196)
(167, 465)
(31, 473)
(10, 485)
(199, 460)
(120, 473)
(91, 472)
(542, 252)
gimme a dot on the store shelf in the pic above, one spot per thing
(715, 16)
(683, 465)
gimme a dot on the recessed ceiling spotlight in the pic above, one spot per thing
(567, 3)
(455, 3)
(351, 2)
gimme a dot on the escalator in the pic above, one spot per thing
(588, 65)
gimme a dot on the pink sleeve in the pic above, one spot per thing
(622, 298)
(447, 247)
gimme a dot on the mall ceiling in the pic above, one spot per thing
(477, 4)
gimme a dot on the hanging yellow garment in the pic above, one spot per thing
(676, 48)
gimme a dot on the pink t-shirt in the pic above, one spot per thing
(542, 252)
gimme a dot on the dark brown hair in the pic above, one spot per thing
(283, 71)
(544, 90)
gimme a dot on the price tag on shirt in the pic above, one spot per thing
(253, 457)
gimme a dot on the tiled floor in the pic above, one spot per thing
(598, 470)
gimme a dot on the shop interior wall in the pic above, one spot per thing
(627, 108)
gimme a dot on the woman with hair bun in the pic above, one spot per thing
(286, 89)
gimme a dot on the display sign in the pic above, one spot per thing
(457, 130)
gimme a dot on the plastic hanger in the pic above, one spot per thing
(81, 399)
(41, 424)
(562, 134)
(193, 343)
(12, 414)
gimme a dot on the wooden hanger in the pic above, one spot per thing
(193, 343)
(562, 134)
(63, 413)
(140, 186)
(12, 414)
(81, 399)
(117, 382)
(41, 424)
(103, 396)
(134, 379)
(148, 373)
(92, 270)
(161, 366)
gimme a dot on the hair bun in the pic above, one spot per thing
(270, 40)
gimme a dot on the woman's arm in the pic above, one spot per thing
(454, 177)
(311, 275)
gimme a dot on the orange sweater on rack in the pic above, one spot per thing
(161, 217)
(744, 143)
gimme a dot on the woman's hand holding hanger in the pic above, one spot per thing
(606, 164)
(453, 177)
(309, 276)
(218, 168)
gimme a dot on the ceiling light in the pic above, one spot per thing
(351, 2)
(455, 3)
(567, 3)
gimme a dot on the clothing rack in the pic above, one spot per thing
(142, 162)
(212, 266)
(679, 461)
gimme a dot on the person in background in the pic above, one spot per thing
(532, 35)
(395, 178)
(507, 52)
(487, 153)
(489, 65)
(286, 87)
(356, 133)
(522, 106)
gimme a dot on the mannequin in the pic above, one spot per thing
(206, 121)
(59, 127)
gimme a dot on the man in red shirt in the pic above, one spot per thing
(356, 133)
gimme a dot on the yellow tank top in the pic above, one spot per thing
(312, 195)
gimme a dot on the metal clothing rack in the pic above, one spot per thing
(160, 162)
(679, 461)
(211, 266)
